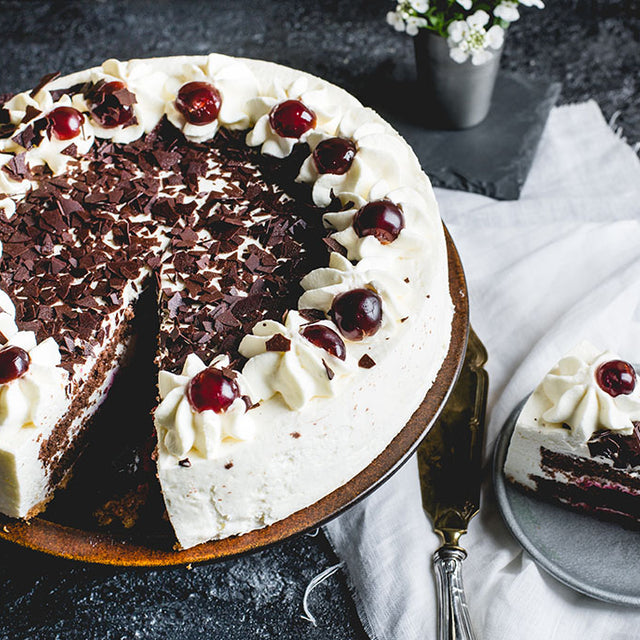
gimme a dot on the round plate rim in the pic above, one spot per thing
(40, 534)
(502, 488)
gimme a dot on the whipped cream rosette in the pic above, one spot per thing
(36, 390)
(182, 427)
(318, 106)
(288, 359)
(36, 138)
(323, 284)
(131, 89)
(235, 84)
(377, 154)
(412, 231)
(577, 397)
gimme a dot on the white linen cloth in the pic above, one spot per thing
(559, 265)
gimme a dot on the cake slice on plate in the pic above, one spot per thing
(577, 439)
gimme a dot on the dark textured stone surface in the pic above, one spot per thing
(592, 48)
(494, 157)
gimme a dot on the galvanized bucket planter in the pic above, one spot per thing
(458, 95)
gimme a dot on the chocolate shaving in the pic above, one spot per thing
(17, 168)
(71, 150)
(185, 462)
(278, 343)
(329, 370)
(366, 362)
(43, 82)
(312, 315)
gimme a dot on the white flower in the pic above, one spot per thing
(533, 3)
(465, 4)
(394, 18)
(495, 37)
(507, 11)
(458, 30)
(478, 19)
(414, 24)
(458, 55)
(468, 38)
(421, 6)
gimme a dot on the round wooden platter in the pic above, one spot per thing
(103, 547)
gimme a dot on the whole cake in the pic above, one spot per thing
(299, 263)
(577, 440)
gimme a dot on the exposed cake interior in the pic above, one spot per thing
(578, 445)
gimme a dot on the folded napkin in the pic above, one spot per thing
(559, 265)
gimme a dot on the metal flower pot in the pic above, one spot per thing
(458, 95)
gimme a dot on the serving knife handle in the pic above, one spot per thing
(453, 614)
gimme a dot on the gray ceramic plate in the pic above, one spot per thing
(599, 559)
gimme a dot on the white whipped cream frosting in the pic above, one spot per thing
(298, 374)
(314, 96)
(380, 154)
(144, 81)
(235, 82)
(410, 241)
(577, 400)
(182, 429)
(28, 401)
(323, 284)
(50, 150)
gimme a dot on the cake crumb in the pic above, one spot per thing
(228, 465)
(295, 435)
(123, 510)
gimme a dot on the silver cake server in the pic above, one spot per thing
(450, 465)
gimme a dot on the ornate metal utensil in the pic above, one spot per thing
(450, 463)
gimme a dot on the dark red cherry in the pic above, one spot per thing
(616, 377)
(65, 122)
(199, 102)
(325, 338)
(380, 218)
(14, 363)
(334, 155)
(211, 389)
(357, 313)
(291, 119)
(112, 104)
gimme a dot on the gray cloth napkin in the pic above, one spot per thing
(560, 264)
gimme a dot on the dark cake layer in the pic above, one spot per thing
(611, 503)
(589, 486)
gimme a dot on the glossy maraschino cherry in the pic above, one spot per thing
(65, 122)
(616, 377)
(291, 119)
(380, 218)
(211, 389)
(357, 313)
(199, 102)
(14, 363)
(334, 155)
(325, 338)
(108, 108)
